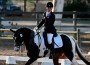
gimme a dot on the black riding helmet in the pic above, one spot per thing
(49, 4)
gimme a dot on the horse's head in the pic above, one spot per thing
(18, 38)
(21, 35)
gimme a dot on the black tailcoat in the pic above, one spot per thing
(48, 22)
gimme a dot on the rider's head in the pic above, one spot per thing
(49, 6)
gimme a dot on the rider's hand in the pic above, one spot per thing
(36, 28)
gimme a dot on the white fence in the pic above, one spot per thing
(11, 60)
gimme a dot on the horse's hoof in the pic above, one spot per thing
(50, 57)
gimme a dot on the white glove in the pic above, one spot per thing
(36, 28)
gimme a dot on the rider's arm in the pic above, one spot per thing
(42, 21)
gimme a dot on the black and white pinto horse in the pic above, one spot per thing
(26, 36)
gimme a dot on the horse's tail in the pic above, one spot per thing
(80, 54)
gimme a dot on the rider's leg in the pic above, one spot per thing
(45, 39)
(50, 43)
(48, 40)
(50, 36)
(49, 46)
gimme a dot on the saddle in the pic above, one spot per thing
(40, 42)
(56, 41)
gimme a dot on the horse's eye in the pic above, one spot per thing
(21, 35)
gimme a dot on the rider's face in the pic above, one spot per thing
(49, 9)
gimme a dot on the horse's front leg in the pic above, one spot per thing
(33, 57)
(30, 61)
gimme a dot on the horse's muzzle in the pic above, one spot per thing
(16, 48)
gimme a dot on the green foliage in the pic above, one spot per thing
(76, 6)
(31, 1)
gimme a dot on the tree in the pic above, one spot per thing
(31, 1)
(76, 6)
(34, 2)
(25, 5)
(79, 6)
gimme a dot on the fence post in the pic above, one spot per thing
(78, 37)
(74, 22)
(37, 17)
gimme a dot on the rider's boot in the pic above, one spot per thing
(51, 47)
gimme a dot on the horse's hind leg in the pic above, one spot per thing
(71, 56)
(55, 59)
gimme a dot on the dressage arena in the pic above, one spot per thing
(15, 60)
(18, 60)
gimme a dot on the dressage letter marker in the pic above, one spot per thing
(10, 60)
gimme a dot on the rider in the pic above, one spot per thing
(48, 20)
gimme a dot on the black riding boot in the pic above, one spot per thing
(51, 47)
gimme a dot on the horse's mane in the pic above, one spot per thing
(24, 28)
(25, 31)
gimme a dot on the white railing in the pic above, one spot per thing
(11, 60)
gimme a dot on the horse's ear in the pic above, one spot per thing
(12, 30)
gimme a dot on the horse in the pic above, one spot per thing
(26, 36)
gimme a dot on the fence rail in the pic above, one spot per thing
(36, 16)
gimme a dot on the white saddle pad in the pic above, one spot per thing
(58, 41)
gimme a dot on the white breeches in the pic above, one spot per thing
(49, 37)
